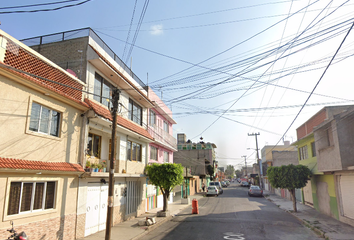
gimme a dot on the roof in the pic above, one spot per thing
(105, 113)
(23, 58)
(11, 163)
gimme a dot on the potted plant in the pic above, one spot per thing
(88, 166)
(99, 166)
(104, 165)
(94, 166)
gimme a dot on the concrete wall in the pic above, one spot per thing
(324, 195)
(19, 142)
(194, 158)
(284, 158)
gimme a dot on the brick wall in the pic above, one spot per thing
(308, 126)
(66, 54)
(62, 228)
(80, 225)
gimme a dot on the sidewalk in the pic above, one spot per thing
(130, 230)
(324, 225)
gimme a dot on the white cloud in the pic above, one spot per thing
(156, 29)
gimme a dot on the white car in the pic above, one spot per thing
(218, 185)
(212, 190)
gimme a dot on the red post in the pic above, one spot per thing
(195, 209)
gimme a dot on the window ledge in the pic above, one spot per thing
(29, 214)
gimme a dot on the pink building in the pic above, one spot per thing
(161, 150)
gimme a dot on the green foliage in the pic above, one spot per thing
(210, 170)
(289, 176)
(238, 173)
(165, 176)
(230, 171)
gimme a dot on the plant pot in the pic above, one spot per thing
(104, 169)
(96, 170)
(100, 170)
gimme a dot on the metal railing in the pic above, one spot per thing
(162, 136)
(84, 32)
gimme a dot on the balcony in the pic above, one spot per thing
(163, 137)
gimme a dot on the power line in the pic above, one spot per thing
(345, 37)
(46, 10)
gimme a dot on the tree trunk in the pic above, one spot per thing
(166, 194)
(292, 192)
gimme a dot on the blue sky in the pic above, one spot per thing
(225, 68)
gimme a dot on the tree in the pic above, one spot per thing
(210, 170)
(289, 177)
(230, 171)
(165, 176)
(238, 173)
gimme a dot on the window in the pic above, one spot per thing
(44, 120)
(313, 148)
(102, 90)
(166, 156)
(135, 112)
(152, 118)
(303, 152)
(31, 196)
(94, 145)
(133, 151)
(165, 126)
(153, 153)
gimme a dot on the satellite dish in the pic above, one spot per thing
(71, 72)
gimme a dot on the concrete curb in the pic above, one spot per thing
(152, 227)
(303, 222)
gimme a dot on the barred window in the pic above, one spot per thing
(31, 196)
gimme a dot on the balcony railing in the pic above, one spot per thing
(162, 136)
(84, 32)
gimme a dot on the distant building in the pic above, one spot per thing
(197, 156)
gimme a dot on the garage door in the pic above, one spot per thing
(347, 195)
(96, 208)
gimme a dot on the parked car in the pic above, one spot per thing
(245, 184)
(212, 191)
(255, 191)
(218, 185)
(227, 183)
(223, 184)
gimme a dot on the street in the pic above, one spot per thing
(233, 215)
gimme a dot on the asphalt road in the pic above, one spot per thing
(234, 216)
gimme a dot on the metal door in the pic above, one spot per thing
(308, 193)
(96, 208)
(347, 194)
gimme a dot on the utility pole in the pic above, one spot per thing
(258, 160)
(115, 97)
(244, 156)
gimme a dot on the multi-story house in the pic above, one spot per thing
(335, 158)
(197, 156)
(41, 125)
(163, 147)
(320, 191)
(267, 156)
(87, 56)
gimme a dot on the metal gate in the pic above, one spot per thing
(134, 196)
(96, 208)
